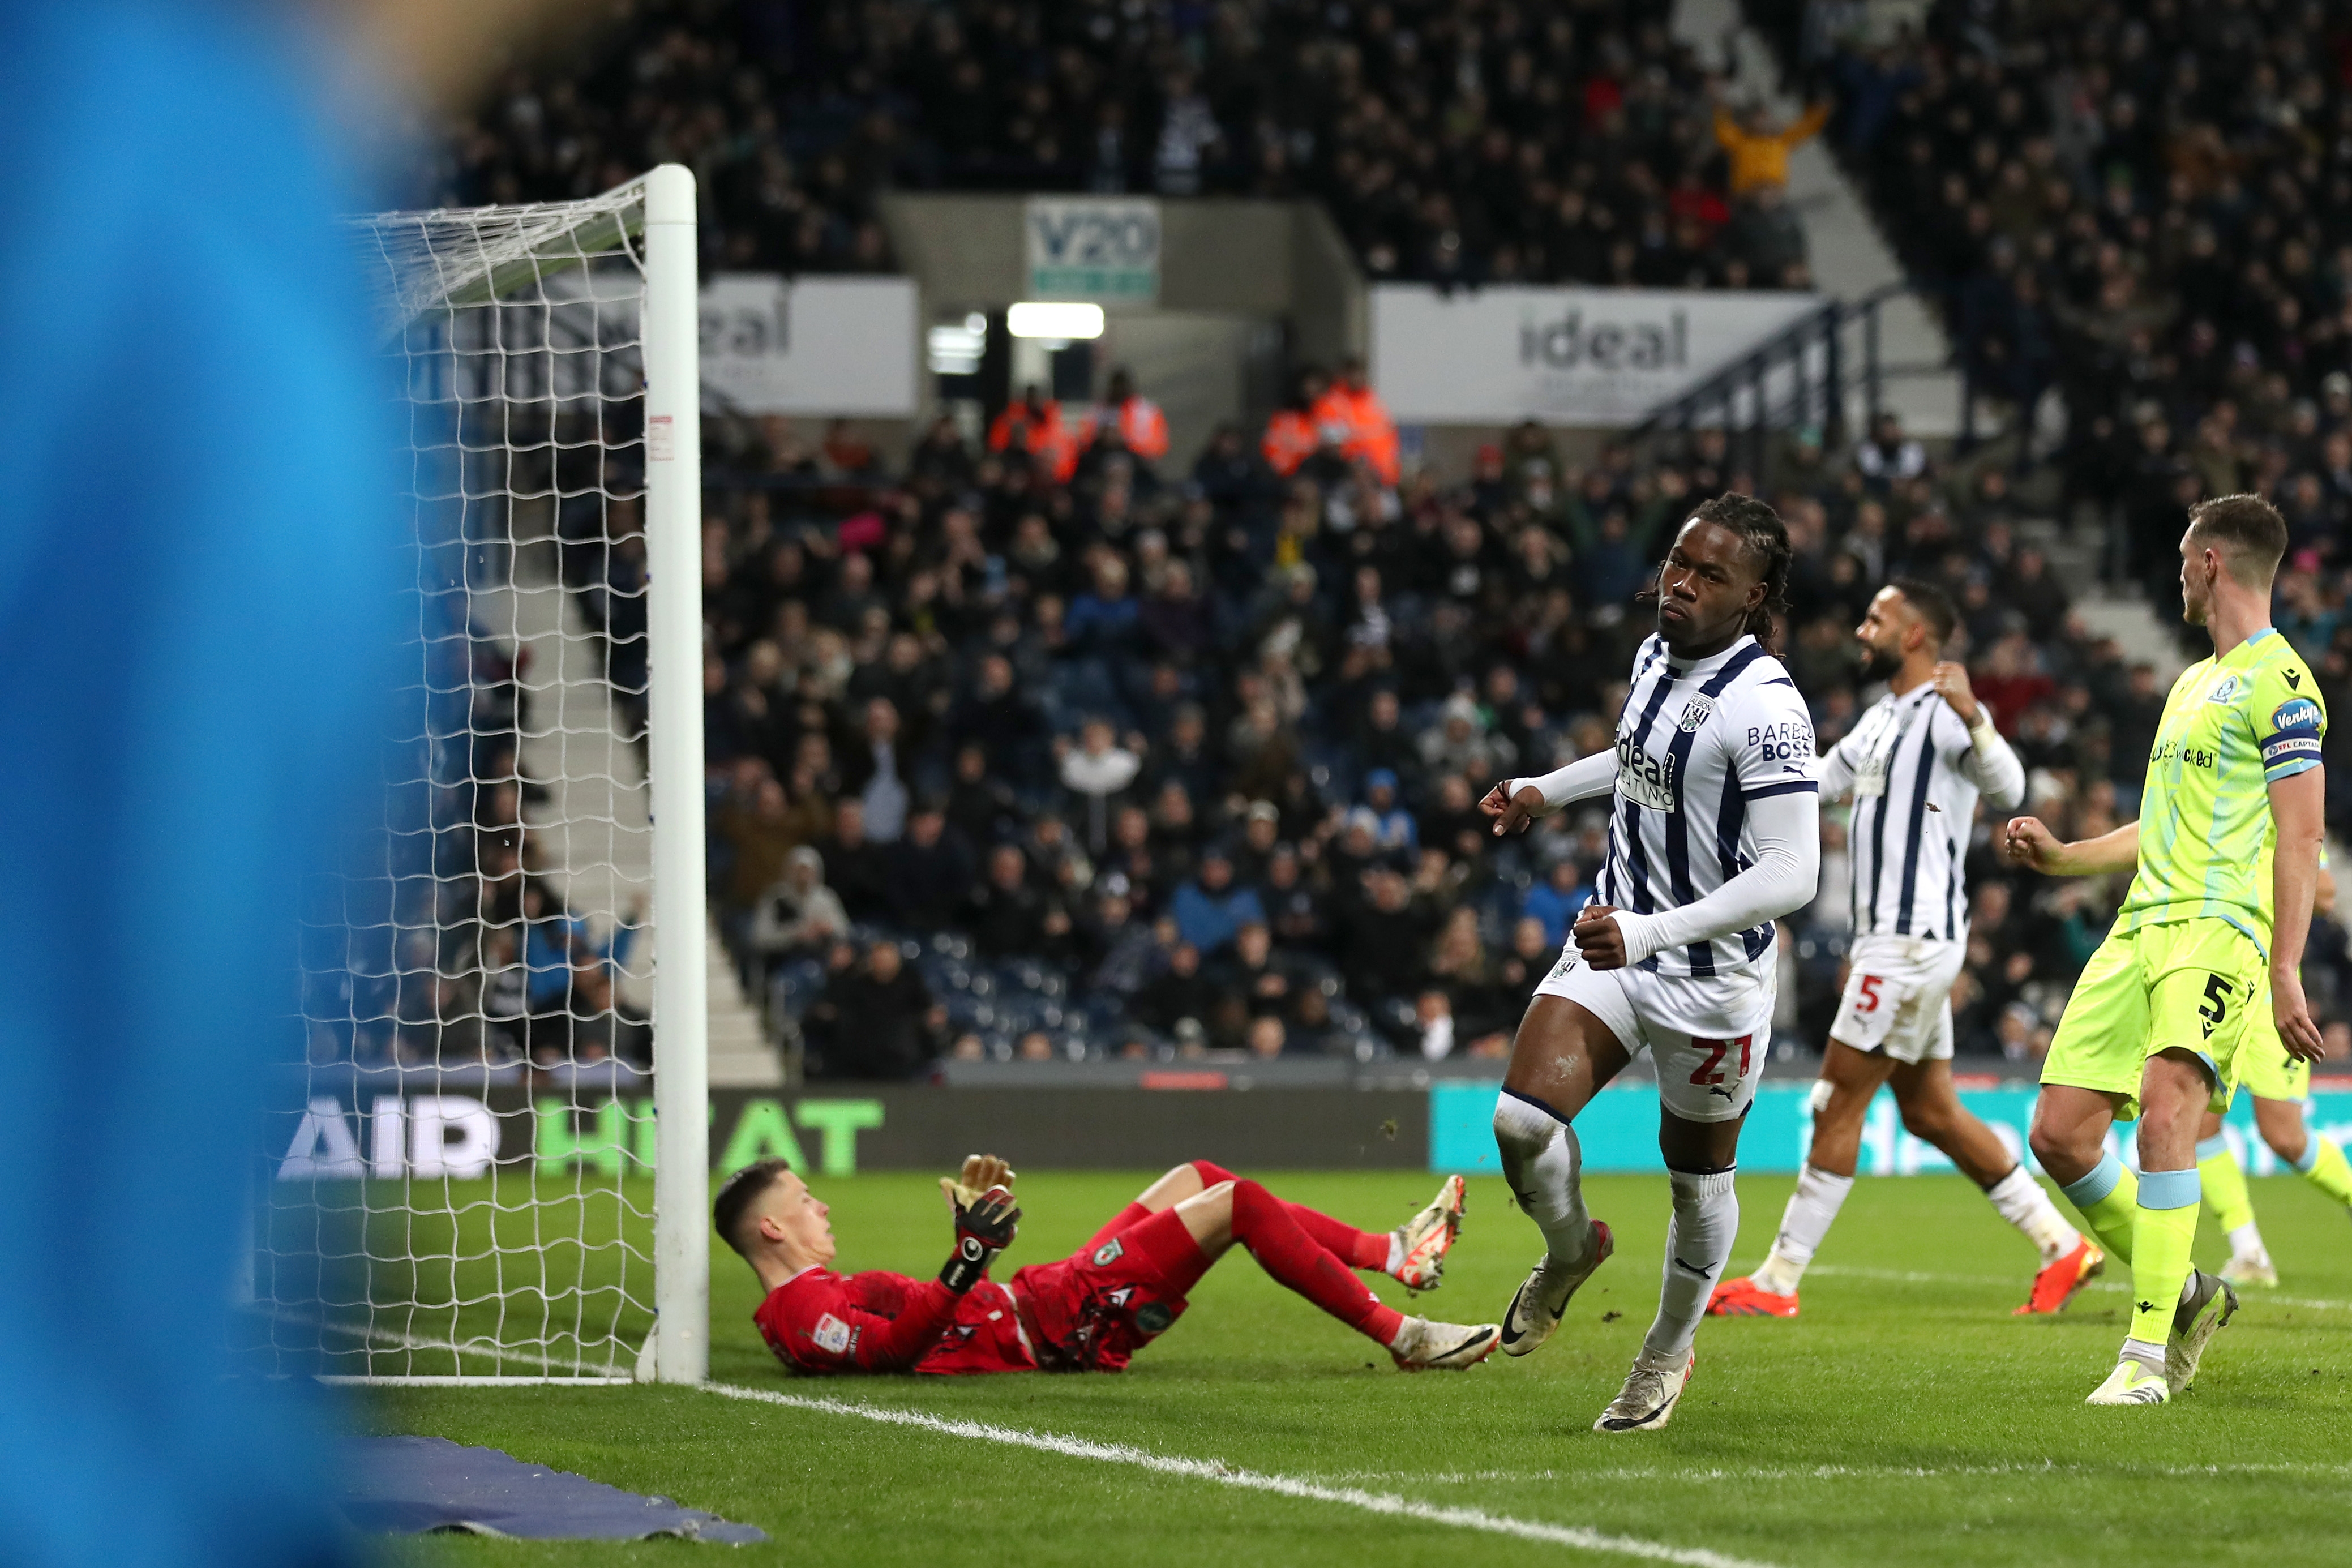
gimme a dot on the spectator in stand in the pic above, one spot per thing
(1385, 938)
(798, 914)
(1759, 156)
(858, 868)
(1141, 426)
(1031, 427)
(1211, 908)
(1096, 769)
(1009, 914)
(930, 872)
(1554, 899)
(1350, 415)
(876, 1022)
(1298, 431)
(1393, 828)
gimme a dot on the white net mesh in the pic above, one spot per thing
(463, 1184)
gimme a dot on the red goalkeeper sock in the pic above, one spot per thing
(1356, 1249)
(1133, 1214)
(1211, 1172)
(1262, 1223)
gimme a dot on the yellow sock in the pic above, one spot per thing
(2324, 1166)
(2165, 1229)
(2226, 1198)
(2108, 1201)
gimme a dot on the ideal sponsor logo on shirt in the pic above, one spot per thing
(1646, 780)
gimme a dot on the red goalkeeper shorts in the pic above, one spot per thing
(1094, 1309)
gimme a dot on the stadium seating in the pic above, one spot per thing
(1436, 639)
(1450, 144)
(1263, 648)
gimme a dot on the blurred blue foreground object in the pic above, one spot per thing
(404, 1486)
(194, 545)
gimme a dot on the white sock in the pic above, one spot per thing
(2148, 1355)
(1807, 1219)
(2246, 1242)
(1396, 1253)
(2020, 1200)
(1542, 1161)
(1698, 1243)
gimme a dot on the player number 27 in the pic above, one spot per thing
(1711, 1071)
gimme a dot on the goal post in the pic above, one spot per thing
(505, 982)
(681, 1003)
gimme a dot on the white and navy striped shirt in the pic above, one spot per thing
(1696, 742)
(1914, 776)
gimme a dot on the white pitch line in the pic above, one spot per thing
(1841, 1472)
(1911, 1276)
(1572, 1535)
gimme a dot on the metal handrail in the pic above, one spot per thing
(1790, 348)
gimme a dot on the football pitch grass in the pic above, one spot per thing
(1904, 1417)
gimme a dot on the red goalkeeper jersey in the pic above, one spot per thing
(876, 1322)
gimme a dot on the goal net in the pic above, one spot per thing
(465, 1177)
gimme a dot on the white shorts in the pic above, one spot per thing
(1707, 1038)
(1899, 996)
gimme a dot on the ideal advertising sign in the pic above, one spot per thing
(811, 345)
(1565, 356)
(1093, 247)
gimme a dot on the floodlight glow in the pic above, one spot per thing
(1053, 319)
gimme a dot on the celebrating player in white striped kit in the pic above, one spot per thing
(1915, 764)
(1714, 833)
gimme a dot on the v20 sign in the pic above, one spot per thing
(1093, 247)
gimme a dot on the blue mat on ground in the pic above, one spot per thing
(403, 1486)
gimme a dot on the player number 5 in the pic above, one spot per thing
(1868, 992)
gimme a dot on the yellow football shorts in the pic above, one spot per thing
(2265, 1070)
(2190, 985)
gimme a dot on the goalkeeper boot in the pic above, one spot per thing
(1743, 1298)
(2207, 1305)
(1424, 1239)
(2251, 1268)
(1647, 1401)
(1543, 1296)
(2131, 1384)
(2056, 1284)
(1424, 1346)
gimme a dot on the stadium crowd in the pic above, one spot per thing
(2149, 210)
(1170, 760)
(1469, 143)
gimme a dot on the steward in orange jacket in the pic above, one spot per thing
(1034, 424)
(1358, 423)
(1140, 424)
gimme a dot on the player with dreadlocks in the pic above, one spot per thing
(1714, 832)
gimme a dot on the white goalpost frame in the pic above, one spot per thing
(674, 773)
(533, 244)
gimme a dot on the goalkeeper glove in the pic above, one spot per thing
(983, 1228)
(981, 1171)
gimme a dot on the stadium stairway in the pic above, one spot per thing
(1849, 257)
(594, 832)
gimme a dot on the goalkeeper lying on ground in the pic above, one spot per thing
(1095, 1308)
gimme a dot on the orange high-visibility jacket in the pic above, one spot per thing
(1042, 435)
(1140, 425)
(1364, 429)
(1290, 439)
